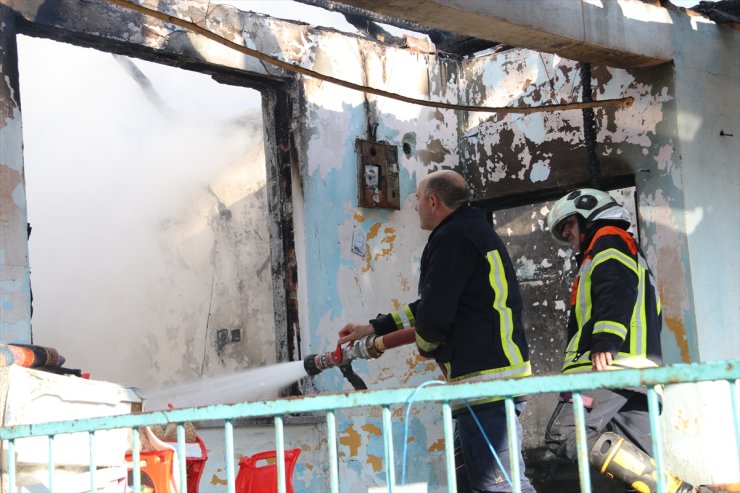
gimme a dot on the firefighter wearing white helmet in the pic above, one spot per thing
(615, 322)
(586, 204)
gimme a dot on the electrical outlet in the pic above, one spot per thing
(222, 338)
(236, 335)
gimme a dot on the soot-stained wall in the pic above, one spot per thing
(536, 154)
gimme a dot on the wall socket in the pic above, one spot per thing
(222, 338)
(225, 336)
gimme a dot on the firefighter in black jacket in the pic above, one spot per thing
(615, 323)
(467, 317)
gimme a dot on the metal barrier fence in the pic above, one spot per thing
(444, 394)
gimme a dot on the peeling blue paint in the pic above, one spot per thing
(19, 195)
(420, 472)
(540, 172)
(323, 218)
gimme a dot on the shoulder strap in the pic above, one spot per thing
(613, 230)
(605, 231)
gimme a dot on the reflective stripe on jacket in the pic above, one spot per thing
(615, 305)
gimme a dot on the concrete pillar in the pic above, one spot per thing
(708, 134)
(15, 287)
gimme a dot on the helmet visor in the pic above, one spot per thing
(557, 229)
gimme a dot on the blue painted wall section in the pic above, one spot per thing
(15, 292)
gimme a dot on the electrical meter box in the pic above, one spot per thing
(378, 175)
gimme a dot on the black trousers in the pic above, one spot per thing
(623, 412)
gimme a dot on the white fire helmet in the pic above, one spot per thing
(586, 202)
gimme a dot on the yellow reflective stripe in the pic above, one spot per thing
(520, 370)
(410, 319)
(404, 318)
(608, 327)
(572, 348)
(622, 361)
(425, 345)
(570, 356)
(625, 360)
(582, 306)
(638, 343)
(497, 279)
(614, 254)
(571, 361)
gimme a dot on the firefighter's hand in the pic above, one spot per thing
(601, 361)
(352, 332)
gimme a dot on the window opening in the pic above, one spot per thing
(146, 189)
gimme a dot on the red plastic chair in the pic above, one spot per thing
(194, 465)
(262, 478)
(156, 470)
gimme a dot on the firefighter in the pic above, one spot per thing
(615, 323)
(468, 318)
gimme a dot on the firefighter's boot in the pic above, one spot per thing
(617, 458)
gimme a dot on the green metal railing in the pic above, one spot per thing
(444, 394)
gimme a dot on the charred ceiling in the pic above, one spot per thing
(369, 23)
(722, 12)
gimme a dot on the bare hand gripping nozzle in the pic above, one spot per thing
(369, 347)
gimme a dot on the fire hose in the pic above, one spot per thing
(369, 347)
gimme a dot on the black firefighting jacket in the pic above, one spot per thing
(468, 315)
(615, 305)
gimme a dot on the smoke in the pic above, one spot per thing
(123, 187)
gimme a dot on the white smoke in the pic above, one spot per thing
(122, 200)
